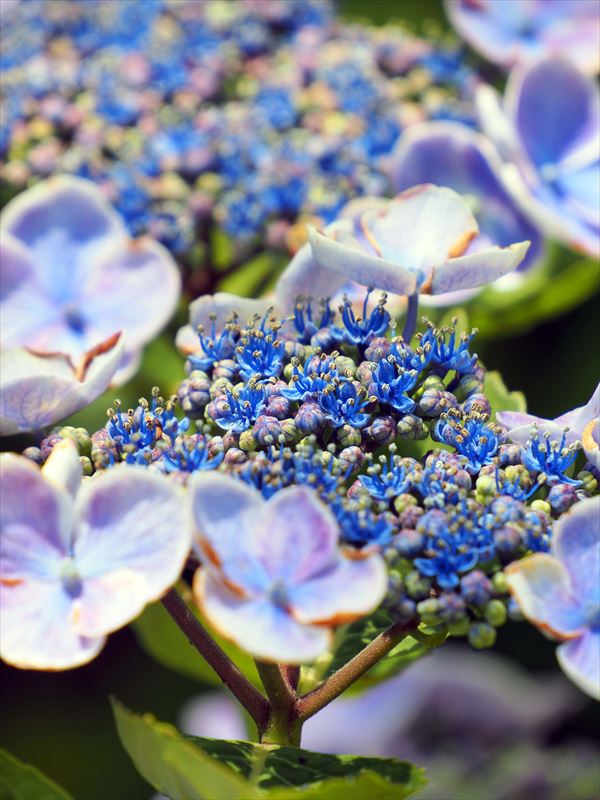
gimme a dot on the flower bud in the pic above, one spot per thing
(417, 586)
(247, 441)
(220, 387)
(541, 505)
(404, 501)
(278, 406)
(289, 430)
(434, 402)
(323, 338)
(509, 454)
(235, 456)
(507, 541)
(379, 347)
(412, 427)
(230, 439)
(500, 583)
(561, 497)
(476, 588)
(364, 372)
(33, 454)
(409, 517)
(468, 385)
(227, 369)
(381, 431)
(348, 436)
(194, 395)
(266, 430)
(589, 482)
(215, 446)
(429, 610)
(481, 635)
(309, 419)
(495, 613)
(477, 402)
(351, 456)
(409, 543)
(453, 608)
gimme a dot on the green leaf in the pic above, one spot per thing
(173, 765)
(187, 768)
(20, 781)
(161, 638)
(501, 399)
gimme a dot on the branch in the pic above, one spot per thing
(314, 701)
(284, 726)
(252, 700)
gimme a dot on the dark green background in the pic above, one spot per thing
(62, 723)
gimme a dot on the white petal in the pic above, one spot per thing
(305, 277)
(580, 661)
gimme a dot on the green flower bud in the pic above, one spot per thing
(417, 586)
(348, 436)
(541, 505)
(495, 613)
(485, 485)
(247, 441)
(460, 628)
(86, 466)
(404, 501)
(481, 635)
(428, 610)
(589, 484)
(500, 583)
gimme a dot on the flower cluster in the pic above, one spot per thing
(394, 436)
(155, 106)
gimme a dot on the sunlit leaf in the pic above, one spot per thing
(190, 768)
(501, 399)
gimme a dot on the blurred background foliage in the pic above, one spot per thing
(62, 722)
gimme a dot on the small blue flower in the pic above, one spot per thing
(390, 383)
(259, 352)
(362, 526)
(387, 479)
(470, 435)
(442, 350)
(309, 381)
(242, 407)
(552, 458)
(190, 454)
(215, 347)
(304, 323)
(361, 331)
(513, 486)
(343, 401)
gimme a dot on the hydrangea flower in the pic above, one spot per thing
(37, 390)
(71, 276)
(79, 563)
(578, 425)
(454, 155)
(416, 243)
(551, 143)
(560, 592)
(513, 31)
(275, 580)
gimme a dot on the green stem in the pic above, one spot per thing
(314, 701)
(252, 700)
(284, 726)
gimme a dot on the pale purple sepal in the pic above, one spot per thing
(37, 390)
(560, 593)
(72, 276)
(451, 154)
(276, 581)
(391, 247)
(508, 32)
(75, 569)
(550, 141)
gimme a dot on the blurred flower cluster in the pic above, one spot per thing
(155, 105)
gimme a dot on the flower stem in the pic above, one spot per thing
(314, 701)
(284, 725)
(252, 700)
(410, 324)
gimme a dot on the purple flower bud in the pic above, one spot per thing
(364, 372)
(468, 385)
(381, 431)
(509, 455)
(293, 349)
(409, 543)
(289, 430)
(356, 490)
(272, 389)
(379, 347)
(194, 395)
(476, 588)
(351, 457)
(48, 443)
(227, 368)
(217, 408)
(507, 541)
(220, 387)
(409, 517)
(411, 427)
(235, 456)
(452, 608)
(230, 439)
(324, 339)
(309, 419)
(277, 406)
(34, 454)
(215, 446)
(434, 402)
(477, 402)
(561, 497)
(266, 430)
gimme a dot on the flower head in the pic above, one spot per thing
(560, 592)
(275, 580)
(71, 276)
(79, 563)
